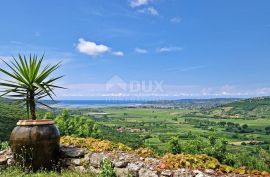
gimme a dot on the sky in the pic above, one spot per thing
(142, 49)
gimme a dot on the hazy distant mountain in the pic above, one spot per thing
(194, 103)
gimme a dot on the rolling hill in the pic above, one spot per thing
(248, 109)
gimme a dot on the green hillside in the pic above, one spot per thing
(252, 108)
(10, 112)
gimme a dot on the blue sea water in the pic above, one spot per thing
(95, 103)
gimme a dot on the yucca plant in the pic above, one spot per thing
(29, 81)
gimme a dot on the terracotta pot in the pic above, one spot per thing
(35, 144)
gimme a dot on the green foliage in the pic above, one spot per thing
(4, 145)
(267, 130)
(246, 159)
(107, 169)
(10, 113)
(217, 147)
(213, 146)
(174, 145)
(75, 125)
(84, 126)
(29, 81)
(245, 126)
(48, 115)
(130, 139)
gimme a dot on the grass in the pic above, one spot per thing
(16, 172)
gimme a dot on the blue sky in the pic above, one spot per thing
(145, 48)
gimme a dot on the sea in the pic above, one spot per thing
(95, 103)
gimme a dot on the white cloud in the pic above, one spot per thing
(176, 20)
(91, 48)
(118, 53)
(137, 3)
(170, 49)
(140, 50)
(150, 10)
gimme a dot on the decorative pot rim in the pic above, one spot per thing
(36, 122)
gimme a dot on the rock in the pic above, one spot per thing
(87, 157)
(80, 169)
(96, 159)
(2, 152)
(72, 152)
(8, 151)
(121, 172)
(93, 170)
(9, 156)
(10, 161)
(147, 173)
(166, 173)
(134, 168)
(199, 173)
(71, 167)
(76, 161)
(210, 171)
(182, 172)
(152, 160)
(121, 164)
(128, 157)
(151, 163)
(71, 161)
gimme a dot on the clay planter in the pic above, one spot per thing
(35, 144)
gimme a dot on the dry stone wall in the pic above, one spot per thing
(126, 164)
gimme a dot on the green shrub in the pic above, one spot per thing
(212, 146)
(174, 145)
(245, 159)
(107, 169)
(75, 125)
(4, 145)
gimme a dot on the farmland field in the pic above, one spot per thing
(158, 125)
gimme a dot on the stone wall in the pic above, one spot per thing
(125, 164)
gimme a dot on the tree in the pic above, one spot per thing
(267, 129)
(76, 125)
(29, 81)
(245, 126)
(174, 145)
